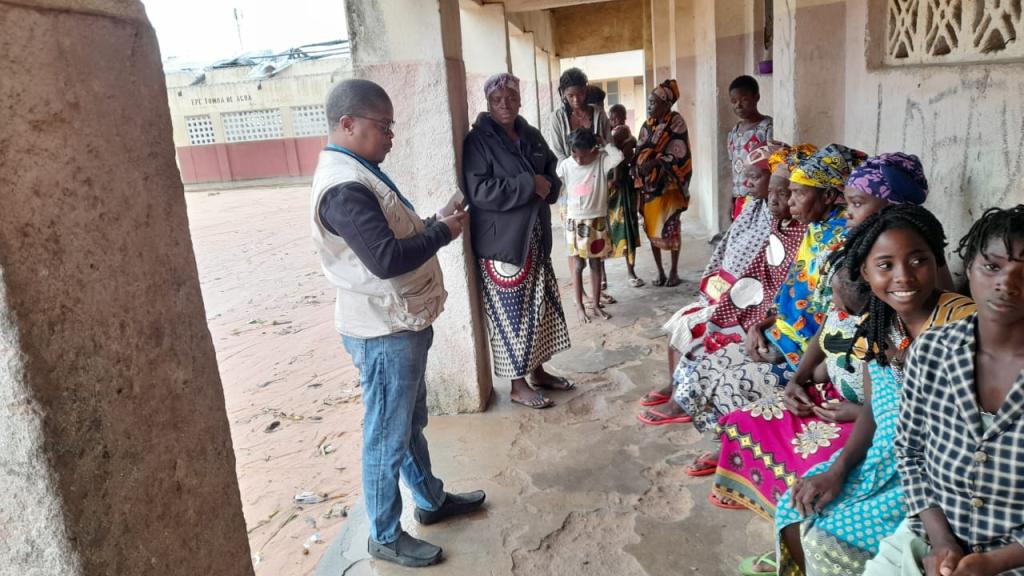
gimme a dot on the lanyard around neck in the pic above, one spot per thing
(375, 170)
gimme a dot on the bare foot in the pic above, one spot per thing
(600, 313)
(673, 280)
(581, 314)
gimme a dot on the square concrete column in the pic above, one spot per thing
(648, 45)
(809, 37)
(413, 48)
(485, 49)
(115, 450)
(546, 91)
(524, 65)
(661, 39)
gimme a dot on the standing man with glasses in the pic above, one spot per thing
(381, 258)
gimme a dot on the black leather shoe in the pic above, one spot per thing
(406, 550)
(454, 505)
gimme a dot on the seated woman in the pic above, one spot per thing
(756, 261)
(961, 426)
(768, 444)
(731, 377)
(831, 520)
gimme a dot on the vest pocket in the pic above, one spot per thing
(419, 304)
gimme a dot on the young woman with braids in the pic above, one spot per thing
(832, 519)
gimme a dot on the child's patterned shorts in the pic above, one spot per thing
(588, 237)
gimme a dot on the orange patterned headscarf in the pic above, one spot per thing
(668, 91)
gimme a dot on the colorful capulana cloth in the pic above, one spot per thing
(588, 237)
(897, 178)
(803, 299)
(845, 534)
(742, 243)
(667, 91)
(765, 447)
(750, 298)
(623, 219)
(524, 312)
(710, 386)
(791, 156)
(827, 168)
(664, 149)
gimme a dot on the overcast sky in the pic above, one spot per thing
(205, 30)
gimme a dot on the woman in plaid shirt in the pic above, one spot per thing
(960, 437)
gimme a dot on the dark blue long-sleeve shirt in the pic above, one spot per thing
(351, 211)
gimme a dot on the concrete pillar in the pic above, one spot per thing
(485, 49)
(810, 36)
(661, 39)
(648, 44)
(115, 451)
(706, 142)
(545, 96)
(524, 65)
(413, 48)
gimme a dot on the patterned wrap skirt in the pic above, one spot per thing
(524, 311)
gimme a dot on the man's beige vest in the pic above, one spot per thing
(368, 306)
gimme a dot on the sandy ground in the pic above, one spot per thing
(582, 486)
(270, 312)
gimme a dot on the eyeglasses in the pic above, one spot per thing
(386, 126)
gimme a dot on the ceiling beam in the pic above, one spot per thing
(532, 5)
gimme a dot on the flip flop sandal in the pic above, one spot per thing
(673, 282)
(656, 399)
(659, 282)
(608, 299)
(538, 402)
(662, 419)
(636, 282)
(561, 384)
(747, 565)
(714, 499)
(703, 465)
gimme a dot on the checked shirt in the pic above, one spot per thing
(947, 457)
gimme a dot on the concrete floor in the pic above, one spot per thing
(583, 487)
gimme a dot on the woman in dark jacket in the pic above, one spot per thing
(510, 183)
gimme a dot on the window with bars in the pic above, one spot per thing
(200, 130)
(309, 120)
(953, 31)
(252, 125)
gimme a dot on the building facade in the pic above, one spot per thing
(231, 126)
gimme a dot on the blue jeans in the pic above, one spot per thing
(391, 373)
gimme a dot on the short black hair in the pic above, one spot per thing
(582, 139)
(745, 83)
(617, 109)
(571, 77)
(595, 95)
(354, 97)
(995, 223)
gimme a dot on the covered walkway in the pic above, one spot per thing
(116, 450)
